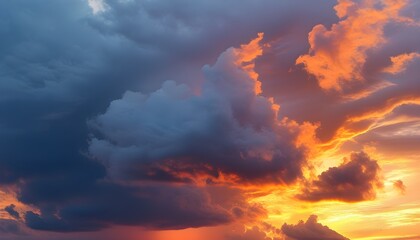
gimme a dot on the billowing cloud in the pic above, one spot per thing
(356, 179)
(188, 152)
(225, 132)
(310, 230)
(51, 83)
(361, 104)
(337, 55)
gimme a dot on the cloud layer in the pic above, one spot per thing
(93, 135)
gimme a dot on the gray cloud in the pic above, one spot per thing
(10, 227)
(356, 179)
(11, 211)
(60, 65)
(226, 132)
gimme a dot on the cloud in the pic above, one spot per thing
(413, 237)
(310, 230)
(399, 186)
(254, 233)
(8, 226)
(356, 179)
(259, 231)
(11, 211)
(172, 28)
(97, 6)
(338, 55)
(62, 65)
(360, 104)
(226, 132)
(155, 206)
(399, 62)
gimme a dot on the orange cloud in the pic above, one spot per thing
(365, 119)
(245, 57)
(337, 55)
(400, 62)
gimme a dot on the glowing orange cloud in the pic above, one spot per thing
(399, 62)
(337, 56)
(245, 57)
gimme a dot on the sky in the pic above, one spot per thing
(209, 120)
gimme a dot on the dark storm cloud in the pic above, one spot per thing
(153, 206)
(187, 26)
(56, 71)
(356, 179)
(11, 211)
(51, 61)
(60, 65)
(310, 230)
(227, 133)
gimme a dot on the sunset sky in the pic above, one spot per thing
(209, 119)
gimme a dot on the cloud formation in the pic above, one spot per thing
(226, 132)
(186, 154)
(337, 55)
(399, 186)
(356, 179)
(310, 230)
(10, 227)
(154, 206)
(399, 62)
(251, 234)
(11, 211)
(360, 103)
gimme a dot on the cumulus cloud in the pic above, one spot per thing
(310, 230)
(227, 131)
(356, 179)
